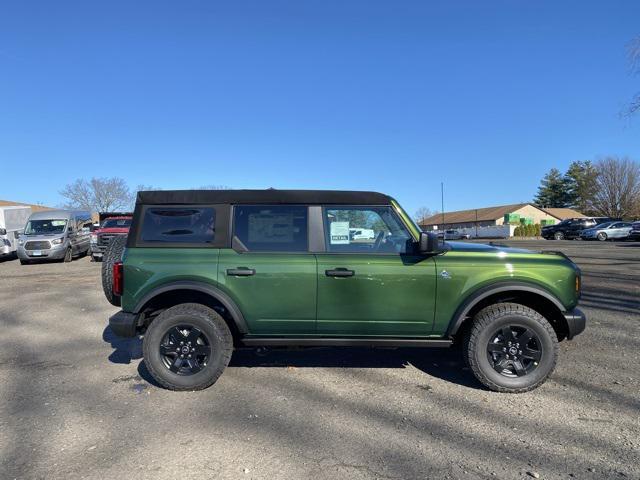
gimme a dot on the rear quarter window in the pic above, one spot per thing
(175, 225)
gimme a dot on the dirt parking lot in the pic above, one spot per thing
(76, 402)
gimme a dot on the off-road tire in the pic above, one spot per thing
(211, 324)
(487, 321)
(112, 255)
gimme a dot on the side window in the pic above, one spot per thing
(178, 225)
(381, 231)
(272, 228)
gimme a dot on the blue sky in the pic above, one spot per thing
(390, 96)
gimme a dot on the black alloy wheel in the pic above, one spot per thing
(514, 351)
(185, 349)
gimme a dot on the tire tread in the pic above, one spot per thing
(113, 254)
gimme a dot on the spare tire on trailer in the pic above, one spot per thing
(112, 255)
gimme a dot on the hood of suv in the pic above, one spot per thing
(483, 247)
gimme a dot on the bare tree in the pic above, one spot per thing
(618, 187)
(98, 194)
(422, 214)
(634, 65)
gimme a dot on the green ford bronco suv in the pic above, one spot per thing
(204, 271)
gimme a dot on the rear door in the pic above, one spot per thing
(373, 286)
(619, 230)
(270, 273)
(575, 227)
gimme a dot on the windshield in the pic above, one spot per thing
(116, 223)
(45, 227)
(603, 225)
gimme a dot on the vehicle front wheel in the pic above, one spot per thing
(602, 236)
(511, 348)
(68, 256)
(187, 347)
(558, 236)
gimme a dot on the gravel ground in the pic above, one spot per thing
(76, 402)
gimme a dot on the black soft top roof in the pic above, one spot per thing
(271, 196)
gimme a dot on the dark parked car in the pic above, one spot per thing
(570, 228)
(635, 231)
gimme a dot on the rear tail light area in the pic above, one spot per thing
(118, 279)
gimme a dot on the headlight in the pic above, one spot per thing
(20, 241)
(56, 241)
(94, 238)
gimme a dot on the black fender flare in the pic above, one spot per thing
(483, 292)
(212, 291)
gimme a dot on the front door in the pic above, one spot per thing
(372, 283)
(270, 273)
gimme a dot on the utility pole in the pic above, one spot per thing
(442, 202)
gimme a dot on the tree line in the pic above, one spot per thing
(608, 187)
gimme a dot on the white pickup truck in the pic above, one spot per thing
(12, 222)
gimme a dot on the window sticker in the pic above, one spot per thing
(339, 233)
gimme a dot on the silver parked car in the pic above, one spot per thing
(454, 235)
(607, 231)
(55, 235)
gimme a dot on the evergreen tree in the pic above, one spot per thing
(582, 183)
(553, 190)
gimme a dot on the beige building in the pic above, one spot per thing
(34, 208)
(500, 215)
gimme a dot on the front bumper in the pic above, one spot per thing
(124, 324)
(98, 250)
(576, 321)
(54, 253)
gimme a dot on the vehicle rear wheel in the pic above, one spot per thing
(558, 236)
(602, 236)
(187, 347)
(112, 255)
(511, 348)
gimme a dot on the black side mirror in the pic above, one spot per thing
(3, 231)
(428, 243)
